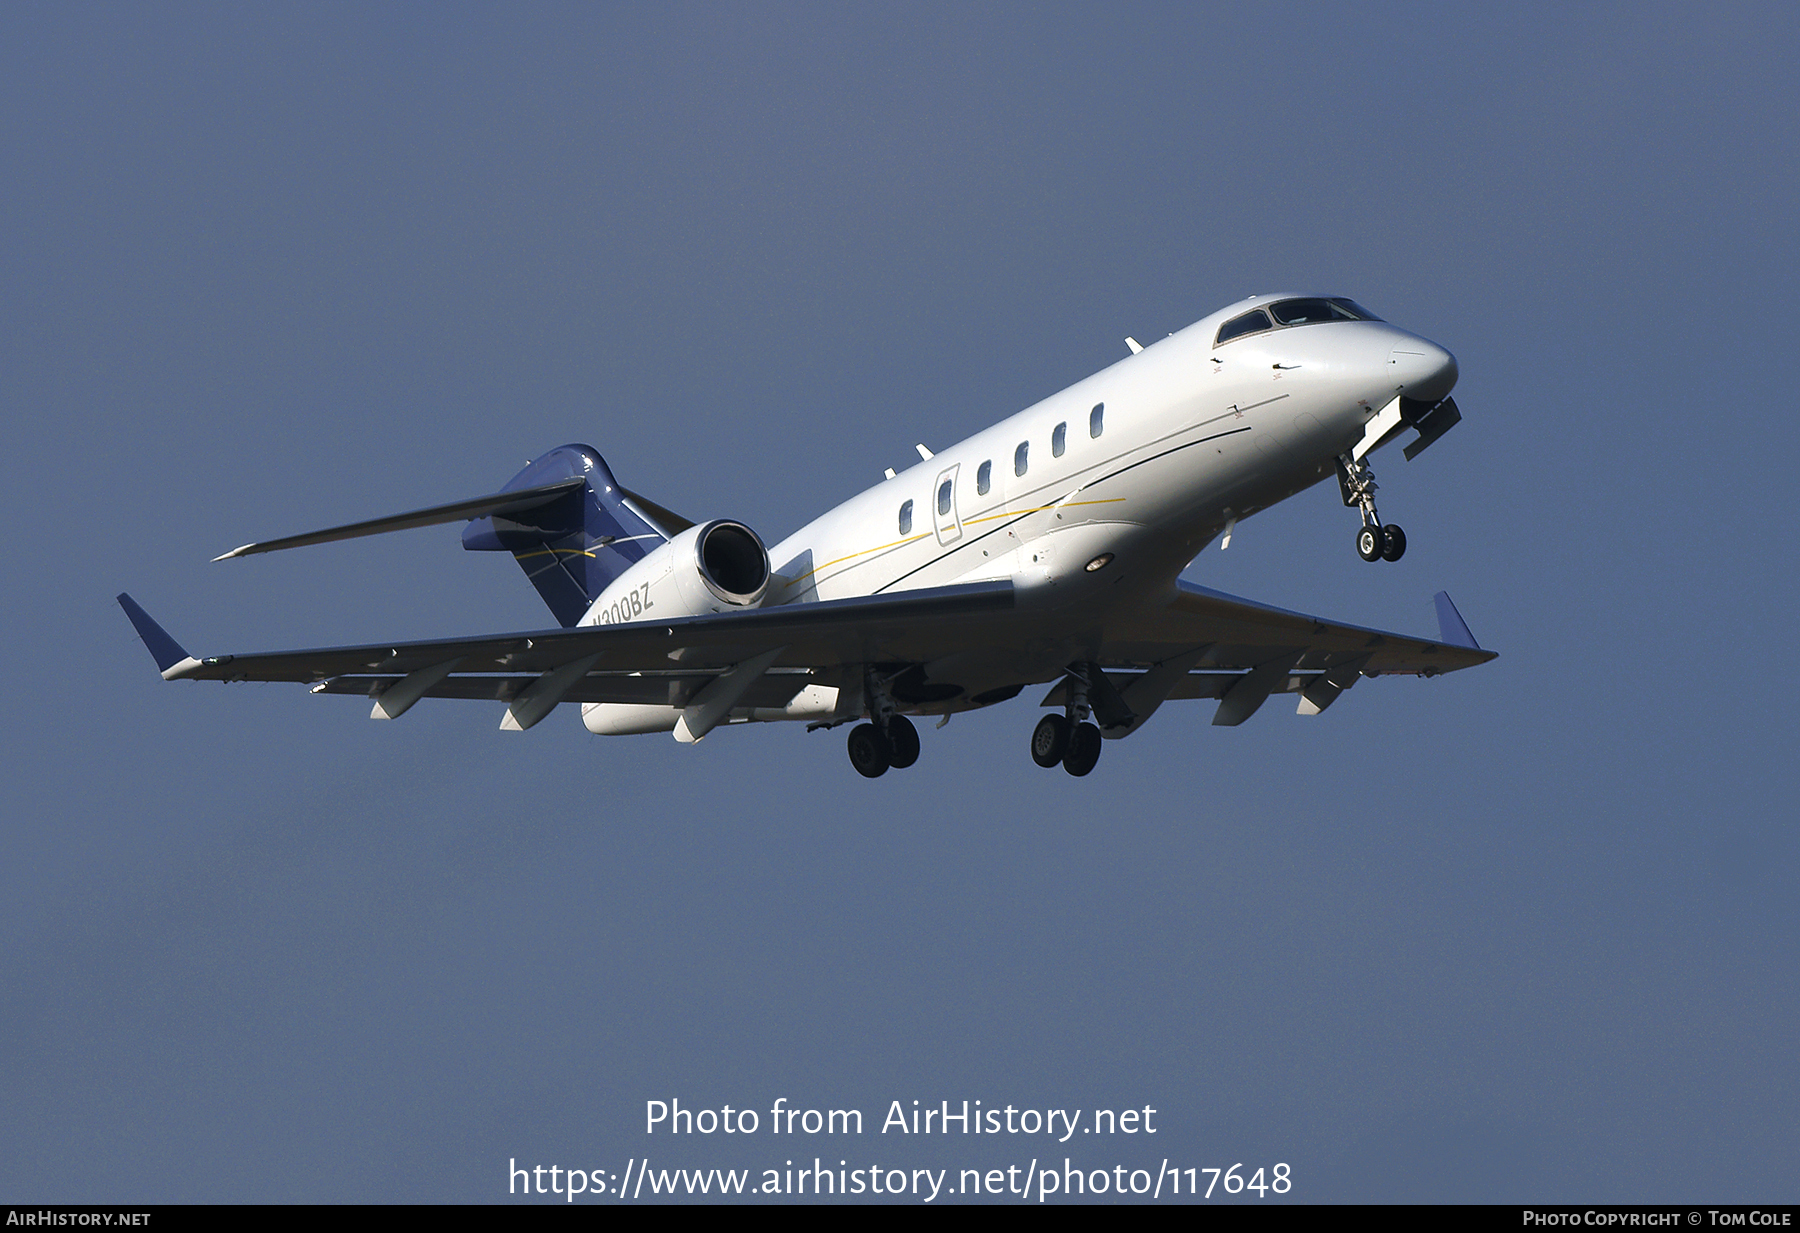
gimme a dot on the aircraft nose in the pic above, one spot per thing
(1423, 370)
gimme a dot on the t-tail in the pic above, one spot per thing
(575, 544)
(565, 519)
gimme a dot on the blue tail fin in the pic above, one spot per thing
(573, 547)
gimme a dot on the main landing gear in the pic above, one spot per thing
(889, 741)
(1068, 739)
(873, 750)
(1375, 541)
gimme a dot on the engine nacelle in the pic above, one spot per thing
(714, 567)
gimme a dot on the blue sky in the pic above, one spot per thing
(1524, 933)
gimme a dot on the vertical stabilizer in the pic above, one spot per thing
(573, 546)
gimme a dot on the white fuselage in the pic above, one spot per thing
(1191, 437)
(1132, 471)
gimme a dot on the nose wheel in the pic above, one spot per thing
(1393, 542)
(1368, 543)
(1381, 543)
(1374, 540)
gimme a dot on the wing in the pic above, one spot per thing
(1207, 644)
(1242, 633)
(666, 663)
(1201, 644)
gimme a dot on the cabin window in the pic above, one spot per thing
(984, 478)
(1019, 457)
(1059, 440)
(1097, 420)
(906, 518)
(1253, 322)
(944, 498)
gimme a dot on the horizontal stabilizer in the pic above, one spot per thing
(670, 523)
(1451, 627)
(517, 501)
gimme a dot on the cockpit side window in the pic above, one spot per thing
(1354, 309)
(1253, 322)
(1312, 312)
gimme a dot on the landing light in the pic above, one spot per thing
(1099, 563)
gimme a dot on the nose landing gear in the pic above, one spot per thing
(1368, 542)
(1393, 542)
(1375, 541)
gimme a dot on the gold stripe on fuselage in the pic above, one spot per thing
(1020, 513)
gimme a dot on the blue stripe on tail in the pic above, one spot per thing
(574, 546)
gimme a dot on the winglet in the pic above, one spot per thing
(1451, 629)
(170, 658)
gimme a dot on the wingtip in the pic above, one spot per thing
(171, 659)
(1452, 629)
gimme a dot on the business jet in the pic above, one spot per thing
(1046, 549)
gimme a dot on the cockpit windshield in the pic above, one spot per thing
(1250, 323)
(1293, 312)
(1309, 312)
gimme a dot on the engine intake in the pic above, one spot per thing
(714, 567)
(733, 562)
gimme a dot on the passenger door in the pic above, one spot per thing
(943, 507)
